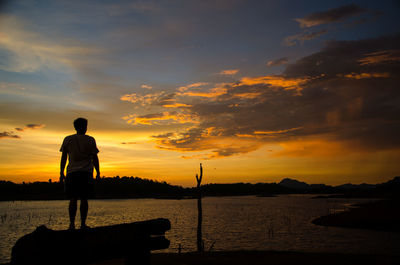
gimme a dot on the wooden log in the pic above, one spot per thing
(46, 246)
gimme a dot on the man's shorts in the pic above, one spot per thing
(79, 185)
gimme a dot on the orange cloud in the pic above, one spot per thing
(133, 98)
(194, 85)
(146, 86)
(244, 135)
(278, 131)
(249, 95)
(142, 100)
(367, 75)
(177, 105)
(229, 72)
(276, 81)
(218, 145)
(212, 93)
(380, 57)
(160, 118)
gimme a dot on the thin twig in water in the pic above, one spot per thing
(211, 247)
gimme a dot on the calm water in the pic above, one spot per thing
(230, 223)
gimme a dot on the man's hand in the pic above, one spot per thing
(62, 177)
(62, 166)
(96, 165)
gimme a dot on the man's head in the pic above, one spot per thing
(80, 125)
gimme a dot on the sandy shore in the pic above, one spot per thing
(263, 257)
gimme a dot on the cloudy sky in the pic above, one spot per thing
(255, 90)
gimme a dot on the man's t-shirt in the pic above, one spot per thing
(80, 149)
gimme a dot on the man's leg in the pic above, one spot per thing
(72, 212)
(84, 210)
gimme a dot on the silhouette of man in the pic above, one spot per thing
(82, 152)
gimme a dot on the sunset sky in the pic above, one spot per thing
(255, 90)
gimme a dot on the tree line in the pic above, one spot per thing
(135, 187)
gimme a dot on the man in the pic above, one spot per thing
(82, 152)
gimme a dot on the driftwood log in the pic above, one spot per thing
(132, 241)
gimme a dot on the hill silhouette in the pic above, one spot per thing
(134, 187)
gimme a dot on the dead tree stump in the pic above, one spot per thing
(200, 245)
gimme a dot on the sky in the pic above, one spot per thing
(255, 90)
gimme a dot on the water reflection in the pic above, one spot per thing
(229, 223)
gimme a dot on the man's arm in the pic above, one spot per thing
(96, 165)
(63, 162)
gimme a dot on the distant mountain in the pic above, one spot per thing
(350, 186)
(299, 185)
(390, 188)
(293, 184)
(319, 186)
(394, 181)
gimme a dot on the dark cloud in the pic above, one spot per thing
(161, 136)
(302, 37)
(11, 135)
(166, 99)
(30, 126)
(329, 16)
(342, 57)
(34, 126)
(340, 14)
(280, 61)
(331, 95)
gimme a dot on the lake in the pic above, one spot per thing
(229, 223)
